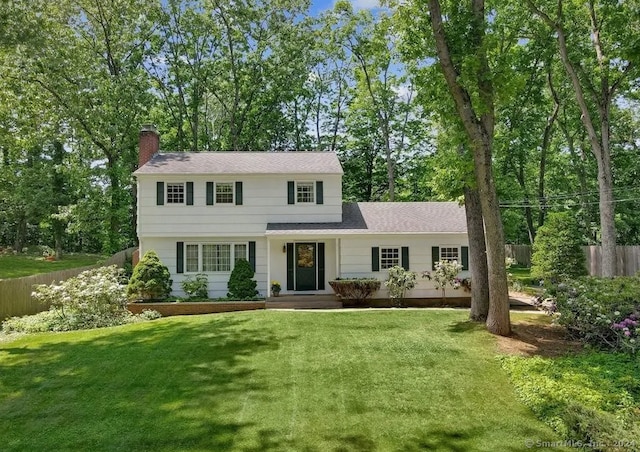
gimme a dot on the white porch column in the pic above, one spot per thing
(338, 270)
(268, 292)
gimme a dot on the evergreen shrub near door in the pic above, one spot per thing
(241, 284)
(356, 290)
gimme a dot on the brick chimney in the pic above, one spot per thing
(148, 144)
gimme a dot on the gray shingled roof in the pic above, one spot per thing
(222, 162)
(383, 218)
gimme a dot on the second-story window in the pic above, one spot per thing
(224, 193)
(175, 193)
(305, 192)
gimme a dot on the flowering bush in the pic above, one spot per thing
(445, 274)
(93, 299)
(400, 280)
(196, 287)
(602, 312)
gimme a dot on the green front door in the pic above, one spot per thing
(305, 265)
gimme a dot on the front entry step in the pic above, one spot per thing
(303, 302)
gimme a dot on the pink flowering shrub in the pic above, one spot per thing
(604, 312)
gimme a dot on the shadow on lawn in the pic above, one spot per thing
(466, 326)
(163, 386)
(455, 440)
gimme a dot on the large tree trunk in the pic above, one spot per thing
(477, 256)
(479, 130)
(599, 144)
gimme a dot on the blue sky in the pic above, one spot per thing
(318, 6)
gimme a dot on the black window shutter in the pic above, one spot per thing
(320, 266)
(375, 259)
(252, 255)
(435, 256)
(290, 266)
(180, 257)
(405, 257)
(238, 193)
(210, 193)
(189, 193)
(291, 192)
(160, 193)
(319, 192)
(465, 258)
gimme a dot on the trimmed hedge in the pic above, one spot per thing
(357, 290)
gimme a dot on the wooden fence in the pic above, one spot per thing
(628, 258)
(15, 294)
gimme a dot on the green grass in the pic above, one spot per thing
(589, 395)
(522, 275)
(25, 265)
(403, 380)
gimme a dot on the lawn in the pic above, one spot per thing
(404, 380)
(17, 266)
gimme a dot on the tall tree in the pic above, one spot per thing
(597, 49)
(474, 98)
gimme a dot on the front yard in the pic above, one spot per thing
(265, 380)
(17, 266)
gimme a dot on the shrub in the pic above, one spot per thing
(241, 284)
(557, 252)
(150, 279)
(196, 287)
(599, 311)
(590, 397)
(445, 274)
(357, 290)
(93, 299)
(399, 281)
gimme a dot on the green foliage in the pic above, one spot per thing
(357, 290)
(150, 279)
(445, 274)
(196, 287)
(599, 311)
(399, 281)
(588, 397)
(557, 252)
(241, 284)
(95, 298)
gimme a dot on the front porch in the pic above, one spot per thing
(297, 301)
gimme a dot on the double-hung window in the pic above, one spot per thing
(305, 193)
(449, 253)
(389, 257)
(224, 193)
(175, 193)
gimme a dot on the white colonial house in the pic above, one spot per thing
(283, 212)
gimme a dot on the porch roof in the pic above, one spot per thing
(384, 218)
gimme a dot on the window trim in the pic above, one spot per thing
(232, 256)
(309, 183)
(184, 193)
(458, 259)
(398, 250)
(216, 184)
